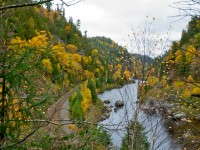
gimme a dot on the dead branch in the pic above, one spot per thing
(187, 8)
(23, 5)
(68, 4)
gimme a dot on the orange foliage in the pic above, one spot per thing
(73, 128)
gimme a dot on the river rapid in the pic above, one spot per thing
(116, 124)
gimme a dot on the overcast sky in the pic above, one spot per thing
(116, 18)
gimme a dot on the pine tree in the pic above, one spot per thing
(92, 88)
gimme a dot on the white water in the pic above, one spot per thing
(116, 123)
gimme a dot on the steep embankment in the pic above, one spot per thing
(175, 82)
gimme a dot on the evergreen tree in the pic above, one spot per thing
(141, 139)
(92, 88)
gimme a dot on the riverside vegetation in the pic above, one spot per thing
(173, 85)
(43, 55)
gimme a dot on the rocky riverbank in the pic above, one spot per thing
(183, 126)
(108, 108)
(171, 110)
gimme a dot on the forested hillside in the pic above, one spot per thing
(175, 80)
(43, 56)
(51, 74)
(116, 55)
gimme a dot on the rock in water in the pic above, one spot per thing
(107, 101)
(119, 103)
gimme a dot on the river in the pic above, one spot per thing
(116, 123)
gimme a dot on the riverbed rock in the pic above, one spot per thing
(179, 116)
(106, 109)
(149, 110)
(107, 101)
(105, 116)
(119, 103)
(116, 109)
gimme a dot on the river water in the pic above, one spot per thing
(154, 125)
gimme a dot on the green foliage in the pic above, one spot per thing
(92, 87)
(25, 94)
(179, 70)
(36, 75)
(98, 83)
(75, 105)
(141, 139)
(89, 137)
(110, 80)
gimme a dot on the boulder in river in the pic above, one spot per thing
(105, 116)
(115, 109)
(107, 101)
(119, 103)
(150, 111)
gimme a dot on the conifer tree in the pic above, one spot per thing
(92, 88)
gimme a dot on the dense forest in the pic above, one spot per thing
(175, 80)
(46, 60)
(43, 57)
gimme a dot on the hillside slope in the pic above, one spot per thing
(42, 57)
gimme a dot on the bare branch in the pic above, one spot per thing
(187, 8)
(73, 2)
(23, 5)
(68, 4)
(24, 139)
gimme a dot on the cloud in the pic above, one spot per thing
(116, 18)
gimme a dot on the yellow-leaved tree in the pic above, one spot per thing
(178, 58)
(87, 98)
(71, 48)
(127, 74)
(152, 80)
(190, 53)
(39, 42)
(47, 65)
(68, 29)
